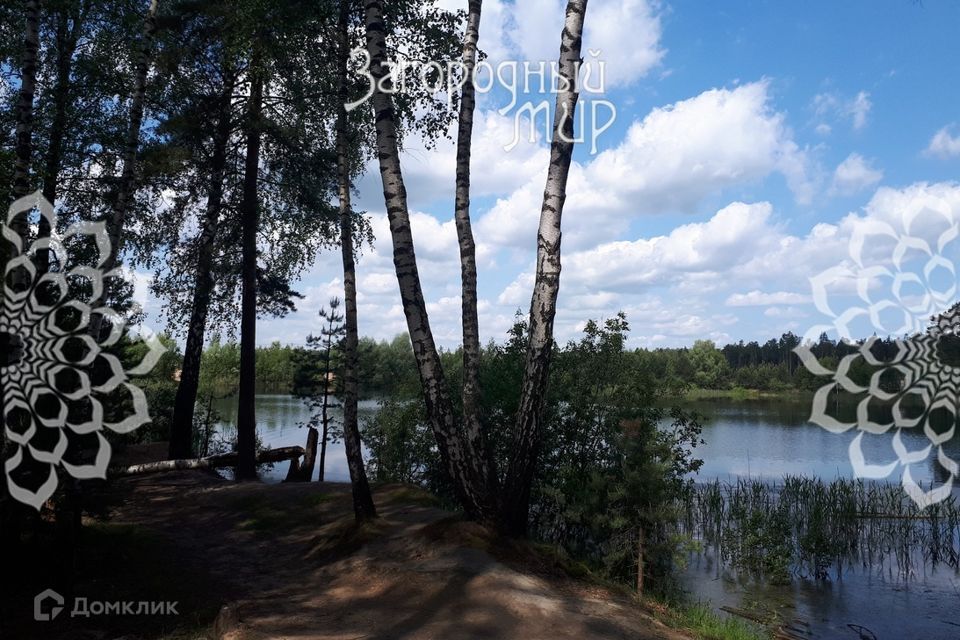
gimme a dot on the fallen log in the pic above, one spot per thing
(210, 462)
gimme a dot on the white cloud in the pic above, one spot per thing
(854, 175)
(757, 298)
(832, 105)
(715, 245)
(669, 161)
(859, 109)
(535, 26)
(944, 144)
(680, 153)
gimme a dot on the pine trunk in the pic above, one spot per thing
(9, 524)
(181, 430)
(249, 208)
(67, 37)
(363, 507)
(543, 305)
(473, 492)
(23, 148)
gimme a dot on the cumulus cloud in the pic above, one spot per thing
(669, 161)
(854, 175)
(535, 25)
(680, 153)
(944, 144)
(699, 247)
(738, 274)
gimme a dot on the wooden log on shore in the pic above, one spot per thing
(211, 462)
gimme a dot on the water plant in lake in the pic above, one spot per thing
(811, 528)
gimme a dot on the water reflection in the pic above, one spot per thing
(772, 438)
(278, 420)
(768, 439)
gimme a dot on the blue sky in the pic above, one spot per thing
(752, 140)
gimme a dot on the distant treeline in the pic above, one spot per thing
(387, 367)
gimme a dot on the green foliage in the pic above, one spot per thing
(159, 387)
(317, 368)
(387, 368)
(402, 448)
(710, 368)
(615, 462)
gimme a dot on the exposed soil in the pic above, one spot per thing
(252, 561)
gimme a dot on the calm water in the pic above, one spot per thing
(771, 438)
(760, 439)
(278, 420)
(768, 439)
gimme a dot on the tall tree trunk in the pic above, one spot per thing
(67, 37)
(459, 459)
(249, 208)
(131, 145)
(181, 430)
(363, 507)
(528, 429)
(473, 427)
(23, 150)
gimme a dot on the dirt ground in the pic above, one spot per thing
(253, 561)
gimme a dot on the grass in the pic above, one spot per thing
(262, 516)
(407, 494)
(740, 394)
(709, 625)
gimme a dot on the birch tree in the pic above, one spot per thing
(70, 20)
(463, 451)
(459, 457)
(468, 254)
(543, 305)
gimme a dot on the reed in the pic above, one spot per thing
(810, 528)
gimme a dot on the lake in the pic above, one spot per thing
(751, 438)
(768, 439)
(278, 420)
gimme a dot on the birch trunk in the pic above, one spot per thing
(249, 208)
(543, 305)
(473, 492)
(181, 430)
(473, 427)
(363, 507)
(131, 145)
